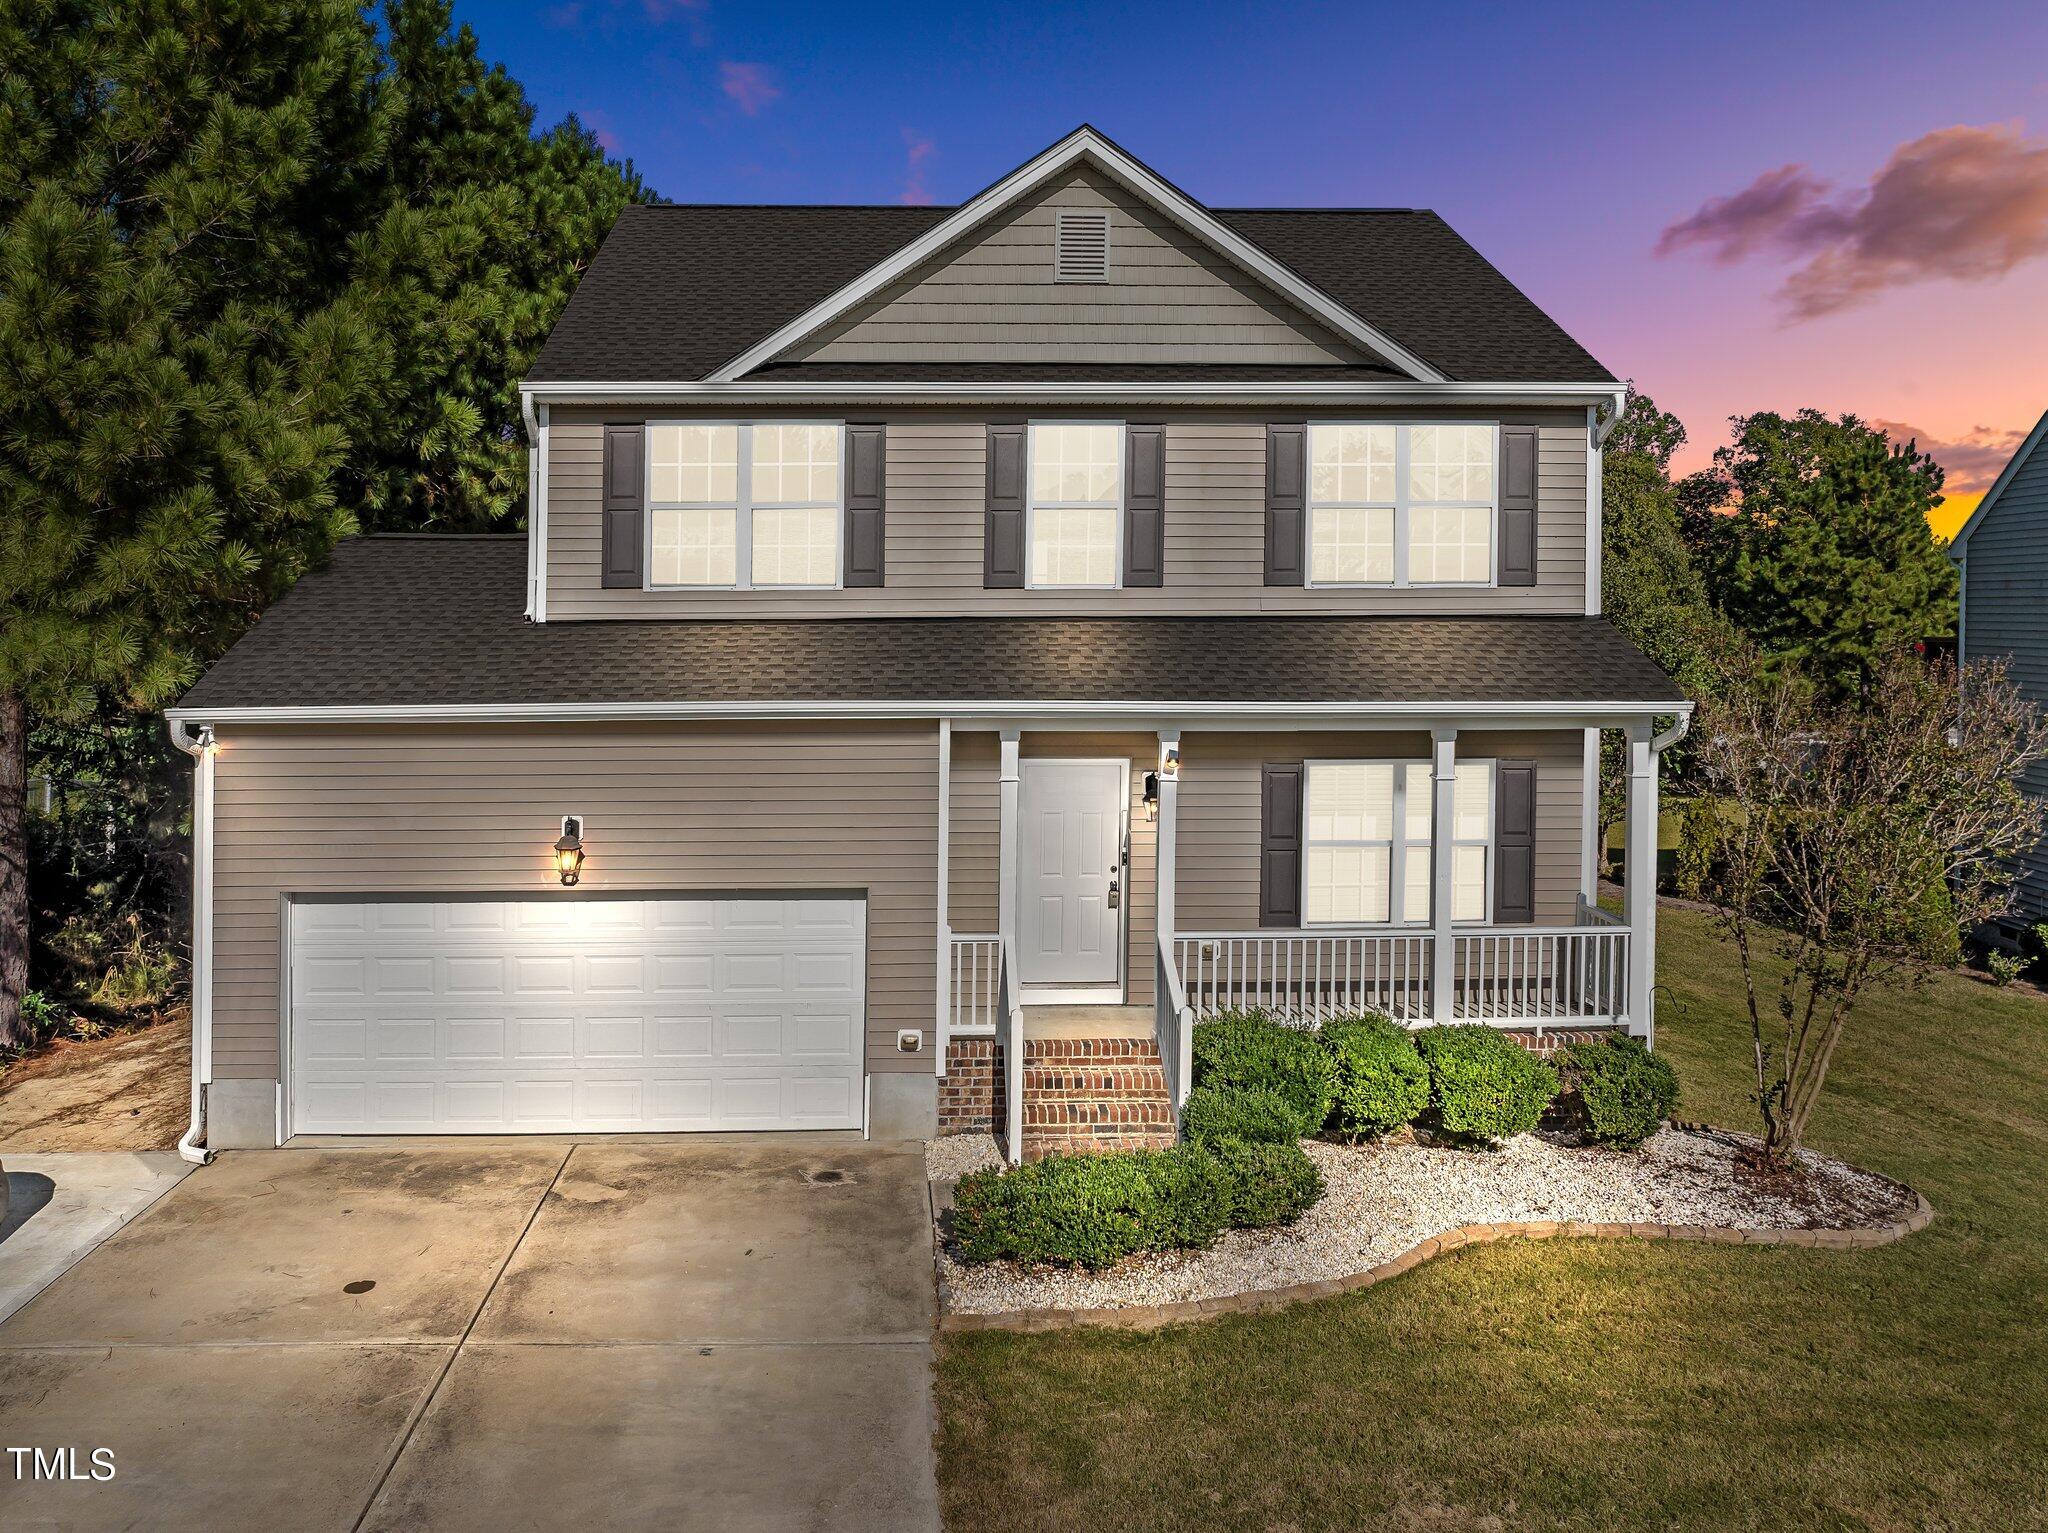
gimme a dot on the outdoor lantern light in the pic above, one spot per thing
(1151, 795)
(569, 850)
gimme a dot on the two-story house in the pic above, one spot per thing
(953, 650)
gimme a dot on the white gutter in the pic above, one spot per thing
(1596, 470)
(1571, 395)
(1674, 734)
(1617, 401)
(528, 414)
(198, 743)
(981, 709)
(537, 522)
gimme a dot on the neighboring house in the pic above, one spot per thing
(1052, 619)
(2003, 611)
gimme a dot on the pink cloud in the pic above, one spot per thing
(917, 149)
(750, 87)
(1971, 461)
(1963, 203)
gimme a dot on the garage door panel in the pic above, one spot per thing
(493, 1016)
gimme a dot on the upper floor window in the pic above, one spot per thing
(744, 506)
(1076, 503)
(1367, 829)
(1401, 504)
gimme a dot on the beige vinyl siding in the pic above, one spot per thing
(936, 487)
(2005, 612)
(1217, 858)
(977, 828)
(991, 297)
(432, 809)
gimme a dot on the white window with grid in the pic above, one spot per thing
(744, 506)
(1366, 839)
(1401, 505)
(1076, 502)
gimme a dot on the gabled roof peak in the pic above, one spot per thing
(1085, 144)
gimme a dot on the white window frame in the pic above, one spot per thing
(1031, 506)
(1398, 844)
(1403, 504)
(743, 508)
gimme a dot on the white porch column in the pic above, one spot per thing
(1443, 781)
(1006, 843)
(1641, 878)
(1169, 809)
(942, 1025)
(1590, 851)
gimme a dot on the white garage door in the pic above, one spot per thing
(593, 1015)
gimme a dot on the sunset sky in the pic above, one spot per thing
(1740, 206)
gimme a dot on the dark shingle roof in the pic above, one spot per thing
(678, 290)
(436, 620)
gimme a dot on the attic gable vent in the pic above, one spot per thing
(1083, 248)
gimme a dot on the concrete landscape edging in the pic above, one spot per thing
(1145, 1317)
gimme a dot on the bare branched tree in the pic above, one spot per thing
(1858, 841)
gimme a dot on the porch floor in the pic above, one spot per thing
(1088, 1022)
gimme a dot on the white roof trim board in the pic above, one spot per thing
(2005, 477)
(1564, 394)
(1083, 143)
(1124, 714)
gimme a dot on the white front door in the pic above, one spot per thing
(1071, 895)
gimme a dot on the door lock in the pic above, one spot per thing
(1115, 895)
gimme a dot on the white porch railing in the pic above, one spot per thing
(1541, 976)
(1307, 975)
(1175, 1027)
(1518, 976)
(976, 991)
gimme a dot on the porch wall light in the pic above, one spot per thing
(569, 850)
(1151, 795)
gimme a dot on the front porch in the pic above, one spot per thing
(1544, 959)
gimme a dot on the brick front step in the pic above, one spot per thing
(1091, 1095)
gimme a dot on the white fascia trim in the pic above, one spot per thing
(1136, 714)
(1083, 143)
(1514, 395)
(2005, 477)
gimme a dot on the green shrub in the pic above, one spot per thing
(1382, 1082)
(1483, 1086)
(1622, 1091)
(1249, 1051)
(1269, 1183)
(1092, 1210)
(2004, 968)
(1255, 1115)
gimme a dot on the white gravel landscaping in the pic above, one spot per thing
(1381, 1200)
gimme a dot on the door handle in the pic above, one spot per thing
(1114, 895)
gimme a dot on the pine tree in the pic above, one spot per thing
(481, 235)
(180, 347)
(1812, 533)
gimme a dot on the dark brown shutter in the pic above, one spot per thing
(1518, 505)
(1514, 843)
(623, 560)
(866, 454)
(1286, 503)
(1002, 540)
(1145, 505)
(1280, 844)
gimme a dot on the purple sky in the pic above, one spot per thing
(1740, 206)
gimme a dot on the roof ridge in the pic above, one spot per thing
(943, 207)
(433, 537)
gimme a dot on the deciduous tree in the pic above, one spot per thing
(1854, 840)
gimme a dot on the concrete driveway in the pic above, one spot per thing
(716, 1332)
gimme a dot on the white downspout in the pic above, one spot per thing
(199, 745)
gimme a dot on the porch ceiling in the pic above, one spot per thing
(435, 623)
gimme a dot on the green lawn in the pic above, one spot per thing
(1602, 1384)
